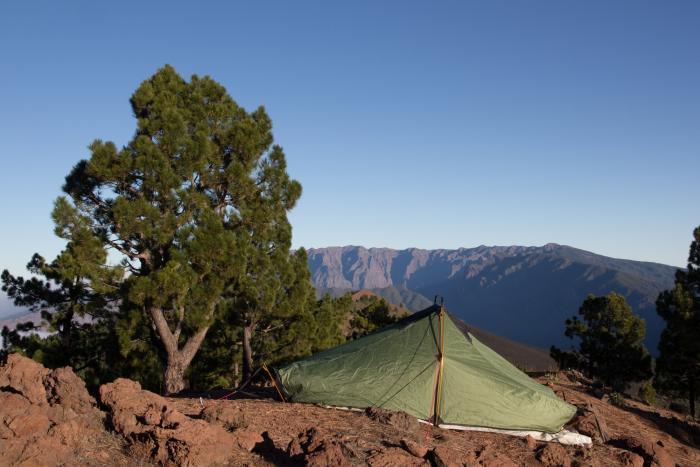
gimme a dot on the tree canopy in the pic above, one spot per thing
(184, 203)
(372, 313)
(76, 284)
(609, 337)
(678, 365)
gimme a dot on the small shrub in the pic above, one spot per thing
(648, 393)
(617, 399)
(236, 424)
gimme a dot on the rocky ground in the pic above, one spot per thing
(48, 418)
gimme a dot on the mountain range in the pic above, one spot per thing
(522, 293)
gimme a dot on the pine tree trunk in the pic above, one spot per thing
(174, 376)
(65, 332)
(691, 397)
(177, 359)
(247, 351)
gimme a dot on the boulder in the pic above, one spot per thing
(226, 414)
(20, 418)
(444, 456)
(414, 448)
(247, 440)
(530, 442)
(26, 377)
(166, 436)
(652, 452)
(46, 415)
(586, 425)
(65, 388)
(630, 459)
(589, 422)
(313, 447)
(493, 458)
(554, 455)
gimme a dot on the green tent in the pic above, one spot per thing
(427, 365)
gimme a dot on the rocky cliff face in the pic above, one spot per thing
(524, 293)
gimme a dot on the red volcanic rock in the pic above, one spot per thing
(630, 459)
(45, 415)
(167, 436)
(414, 448)
(653, 452)
(554, 455)
(443, 456)
(314, 447)
(531, 442)
(25, 377)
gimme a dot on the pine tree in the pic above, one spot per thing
(372, 313)
(179, 202)
(218, 362)
(275, 284)
(285, 330)
(76, 284)
(610, 342)
(307, 326)
(330, 319)
(678, 365)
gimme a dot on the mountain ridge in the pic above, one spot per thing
(521, 292)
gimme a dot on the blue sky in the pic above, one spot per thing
(409, 124)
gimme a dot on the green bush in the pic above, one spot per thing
(648, 393)
(617, 399)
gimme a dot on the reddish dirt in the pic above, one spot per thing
(47, 418)
(636, 434)
(654, 430)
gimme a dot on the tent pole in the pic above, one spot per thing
(441, 364)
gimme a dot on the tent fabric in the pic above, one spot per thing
(399, 367)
